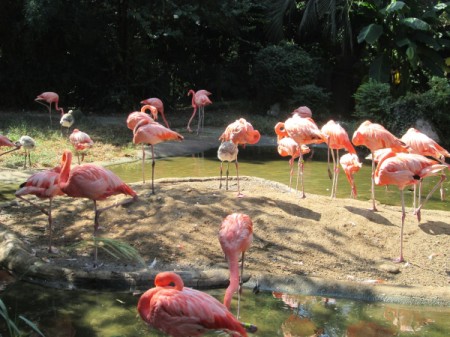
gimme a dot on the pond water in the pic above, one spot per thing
(93, 314)
(88, 314)
(264, 162)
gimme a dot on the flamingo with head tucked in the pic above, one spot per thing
(152, 133)
(405, 169)
(81, 141)
(240, 132)
(199, 100)
(374, 136)
(420, 143)
(180, 311)
(304, 131)
(92, 182)
(47, 99)
(158, 104)
(44, 185)
(337, 140)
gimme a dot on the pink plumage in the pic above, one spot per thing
(235, 237)
(158, 104)
(240, 132)
(180, 311)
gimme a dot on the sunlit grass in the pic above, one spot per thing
(111, 142)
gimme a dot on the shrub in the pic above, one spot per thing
(372, 101)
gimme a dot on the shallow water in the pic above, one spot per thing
(264, 162)
(92, 314)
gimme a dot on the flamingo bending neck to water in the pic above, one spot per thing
(47, 99)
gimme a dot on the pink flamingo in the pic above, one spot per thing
(289, 147)
(92, 182)
(303, 111)
(374, 136)
(350, 164)
(235, 237)
(199, 100)
(5, 141)
(158, 104)
(81, 142)
(304, 131)
(420, 143)
(44, 185)
(240, 132)
(136, 116)
(405, 169)
(152, 133)
(337, 139)
(47, 99)
(180, 311)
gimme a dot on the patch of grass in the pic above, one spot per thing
(13, 330)
(111, 141)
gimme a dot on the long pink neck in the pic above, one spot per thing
(192, 92)
(233, 265)
(65, 169)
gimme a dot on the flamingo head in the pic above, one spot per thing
(191, 92)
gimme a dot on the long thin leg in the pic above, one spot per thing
(240, 195)
(298, 174)
(153, 170)
(15, 149)
(221, 167)
(29, 159)
(291, 171)
(228, 173)
(300, 158)
(400, 259)
(240, 284)
(200, 117)
(143, 164)
(374, 208)
(50, 226)
(443, 177)
(49, 107)
(333, 185)
(96, 225)
(190, 120)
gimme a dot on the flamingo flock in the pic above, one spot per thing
(171, 307)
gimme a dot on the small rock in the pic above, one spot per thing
(389, 268)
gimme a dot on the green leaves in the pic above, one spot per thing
(370, 33)
(415, 23)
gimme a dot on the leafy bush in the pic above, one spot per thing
(278, 69)
(372, 101)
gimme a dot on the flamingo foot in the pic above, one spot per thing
(399, 259)
(189, 129)
(240, 195)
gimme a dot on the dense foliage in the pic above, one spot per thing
(107, 56)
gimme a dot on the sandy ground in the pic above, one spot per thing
(177, 228)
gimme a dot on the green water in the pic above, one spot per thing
(91, 314)
(264, 162)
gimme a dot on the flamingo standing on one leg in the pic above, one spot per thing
(228, 151)
(350, 164)
(134, 118)
(199, 100)
(158, 104)
(5, 141)
(66, 121)
(403, 169)
(49, 98)
(235, 237)
(152, 133)
(44, 185)
(92, 182)
(240, 132)
(28, 144)
(374, 136)
(420, 143)
(289, 147)
(337, 139)
(180, 311)
(81, 142)
(304, 131)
